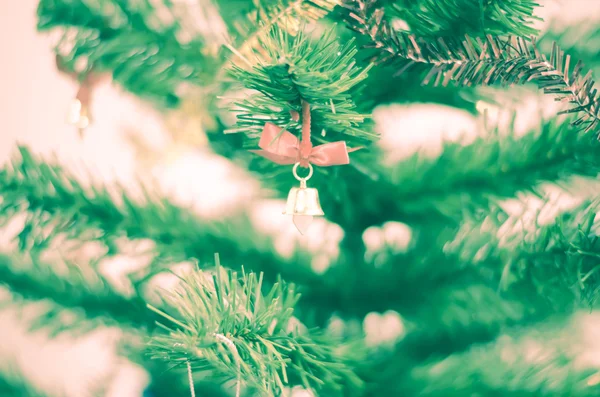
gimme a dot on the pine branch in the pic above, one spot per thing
(473, 61)
(79, 302)
(98, 300)
(449, 321)
(432, 194)
(82, 313)
(474, 309)
(464, 178)
(321, 72)
(557, 266)
(215, 310)
(471, 312)
(561, 260)
(568, 269)
(435, 18)
(33, 275)
(495, 165)
(557, 261)
(179, 234)
(537, 363)
(581, 41)
(141, 46)
(78, 318)
(503, 282)
(52, 194)
(287, 15)
(76, 297)
(148, 48)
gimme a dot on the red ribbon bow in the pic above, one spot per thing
(283, 147)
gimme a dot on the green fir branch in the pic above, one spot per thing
(465, 177)
(536, 363)
(287, 15)
(581, 41)
(149, 50)
(30, 275)
(558, 261)
(445, 18)
(178, 233)
(473, 61)
(499, 166)
(321, 72)
(45, 188)
(446, 322)
(77, 290)
(495, 165)
(475, 313)
(571, 261)
(82, 313)
(551, 151)
(133, 41)
(107, 214)
(224, 324)
(74, 297)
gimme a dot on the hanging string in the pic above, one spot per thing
(190, 378)
(234, 351)
(305, 143)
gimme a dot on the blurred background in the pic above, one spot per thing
(129, 141)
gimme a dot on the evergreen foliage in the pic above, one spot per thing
(488, 300)
(153, 51)
(320, 72)
(268, 349)
(473, 61)
(430, 18)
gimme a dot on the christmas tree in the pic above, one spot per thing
(465, 265)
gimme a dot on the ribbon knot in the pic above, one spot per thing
(282, 147)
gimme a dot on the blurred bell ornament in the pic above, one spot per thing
(303, 202)
(79, 114)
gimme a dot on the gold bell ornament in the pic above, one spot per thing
(303, 202)
(283, 147)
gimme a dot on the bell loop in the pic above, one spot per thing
(295, 172)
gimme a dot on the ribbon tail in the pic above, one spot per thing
(328, 154)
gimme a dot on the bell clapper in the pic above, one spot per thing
(303, 202)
